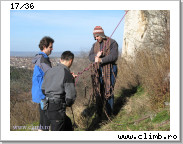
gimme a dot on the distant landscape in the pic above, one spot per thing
(32, 54)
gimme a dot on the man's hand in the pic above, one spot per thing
(74, 75)
(97, 59)
(99, 54)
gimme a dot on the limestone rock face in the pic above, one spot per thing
(145, 29)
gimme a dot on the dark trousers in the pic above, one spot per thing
(59, 121)
(44, 123)
(100, 97)
(108, 104)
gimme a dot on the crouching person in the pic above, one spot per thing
(58, 86)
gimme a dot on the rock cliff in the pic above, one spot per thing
(145, 29)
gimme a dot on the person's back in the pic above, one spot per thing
(58, 86)
(59, 81)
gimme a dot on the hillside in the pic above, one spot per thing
(136, 115)
(132, 112)
(132, 108)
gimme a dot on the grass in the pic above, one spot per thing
(22, 109)
(28, 127)
(136, 115)
(131, 106)
(161, 116)
(21, 80)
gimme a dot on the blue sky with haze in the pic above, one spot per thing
(71, 29)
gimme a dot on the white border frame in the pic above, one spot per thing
(173, 6)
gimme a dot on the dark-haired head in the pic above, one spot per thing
(67, 55)
(45, 41)
(67, 58)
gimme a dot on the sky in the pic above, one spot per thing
(71, 29)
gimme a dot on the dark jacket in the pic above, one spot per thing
(42, 64)
(59, 81)
(111, 58)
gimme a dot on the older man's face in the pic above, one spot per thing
(98, 38)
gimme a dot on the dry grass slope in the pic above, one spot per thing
(150, 72)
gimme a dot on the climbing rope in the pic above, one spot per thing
(86, 69)
(97, 91)
(115, 29)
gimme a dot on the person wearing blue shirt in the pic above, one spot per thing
(42, 64)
